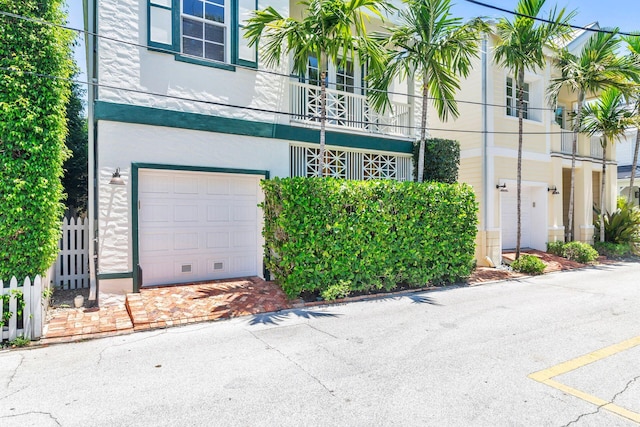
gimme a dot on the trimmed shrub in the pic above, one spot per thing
(32, 134)
(613, 250)
(555, 248)
(366, 235)
(580, 252)
(441, 160)
(528, 264)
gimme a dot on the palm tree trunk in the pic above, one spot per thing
(574, 150)
(323, 118)
(423, 128)
(634, 165)
(602, 187)
(519, 167)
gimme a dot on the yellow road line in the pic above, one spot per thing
(545, 376)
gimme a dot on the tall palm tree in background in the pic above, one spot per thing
(607, 118)
(331, 31)
(633, 45)
(520, 47)
(431, 44)
(595, 68)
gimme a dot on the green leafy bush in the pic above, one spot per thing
(441, 160)
(621, 226)
(613, 250)
(555, 248)
(580, 252)
(528, 264)
(367, 234)
(32, 134)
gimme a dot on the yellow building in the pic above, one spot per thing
(487, 130)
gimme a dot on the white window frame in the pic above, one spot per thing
(226, 25)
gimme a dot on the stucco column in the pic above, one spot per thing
(556, 228)
(583, 228)
(611, 186)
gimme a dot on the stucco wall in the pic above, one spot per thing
(137, 68)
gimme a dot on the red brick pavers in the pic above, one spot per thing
(553, 262)
(175, 305)
(75, 324)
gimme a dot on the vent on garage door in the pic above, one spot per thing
(186, 268)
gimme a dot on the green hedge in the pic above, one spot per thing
(441, 160)
(36, 61)
(325, 235)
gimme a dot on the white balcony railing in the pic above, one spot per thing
(596, 147)
(347, 110)
(566, 142)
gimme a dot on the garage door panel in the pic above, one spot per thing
(155, 213)
(186, 185)
(197, 226)
(218, 213)
(243, 212)
(155, 242)
(510, 219)
(244, 239)
(244, 263)
(185, 213)
(218, 186)
(184, 241)
(218, 240)
(243, 187)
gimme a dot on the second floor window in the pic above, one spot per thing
(512, 99)
(209, 32)
(205, 29)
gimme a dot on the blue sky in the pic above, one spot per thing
(609, 13)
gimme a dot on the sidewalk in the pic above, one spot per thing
(163, 307)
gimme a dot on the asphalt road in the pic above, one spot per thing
(454, 357)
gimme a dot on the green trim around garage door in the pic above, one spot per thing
(194, 121)
(135, 172)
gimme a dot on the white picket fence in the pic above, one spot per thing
(29, 324)
(72, 265)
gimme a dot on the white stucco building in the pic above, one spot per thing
(193, 121)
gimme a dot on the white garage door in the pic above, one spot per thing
(509, 220)
(196, 226)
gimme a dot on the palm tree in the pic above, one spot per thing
(609, 118)
(331, 31)
(520, 47)
(633, 44)
(596, 68)
(430, 43)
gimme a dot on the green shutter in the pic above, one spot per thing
(161, 23)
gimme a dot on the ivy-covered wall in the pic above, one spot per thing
(34, 65)
(441, 160)
(357, 236)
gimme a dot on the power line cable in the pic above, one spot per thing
(261, 110)
(575, 27)
(168, 51)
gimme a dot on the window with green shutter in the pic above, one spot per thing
(206, 32)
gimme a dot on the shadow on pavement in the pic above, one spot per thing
(278, 317)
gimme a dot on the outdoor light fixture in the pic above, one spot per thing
(502, 188)
(116, 179)
(553, 189)
(637, 194)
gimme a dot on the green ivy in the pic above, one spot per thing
(32, 134)
(441, 160)
(324, 234)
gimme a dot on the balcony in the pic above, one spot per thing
(587, 146)
(349, 111)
